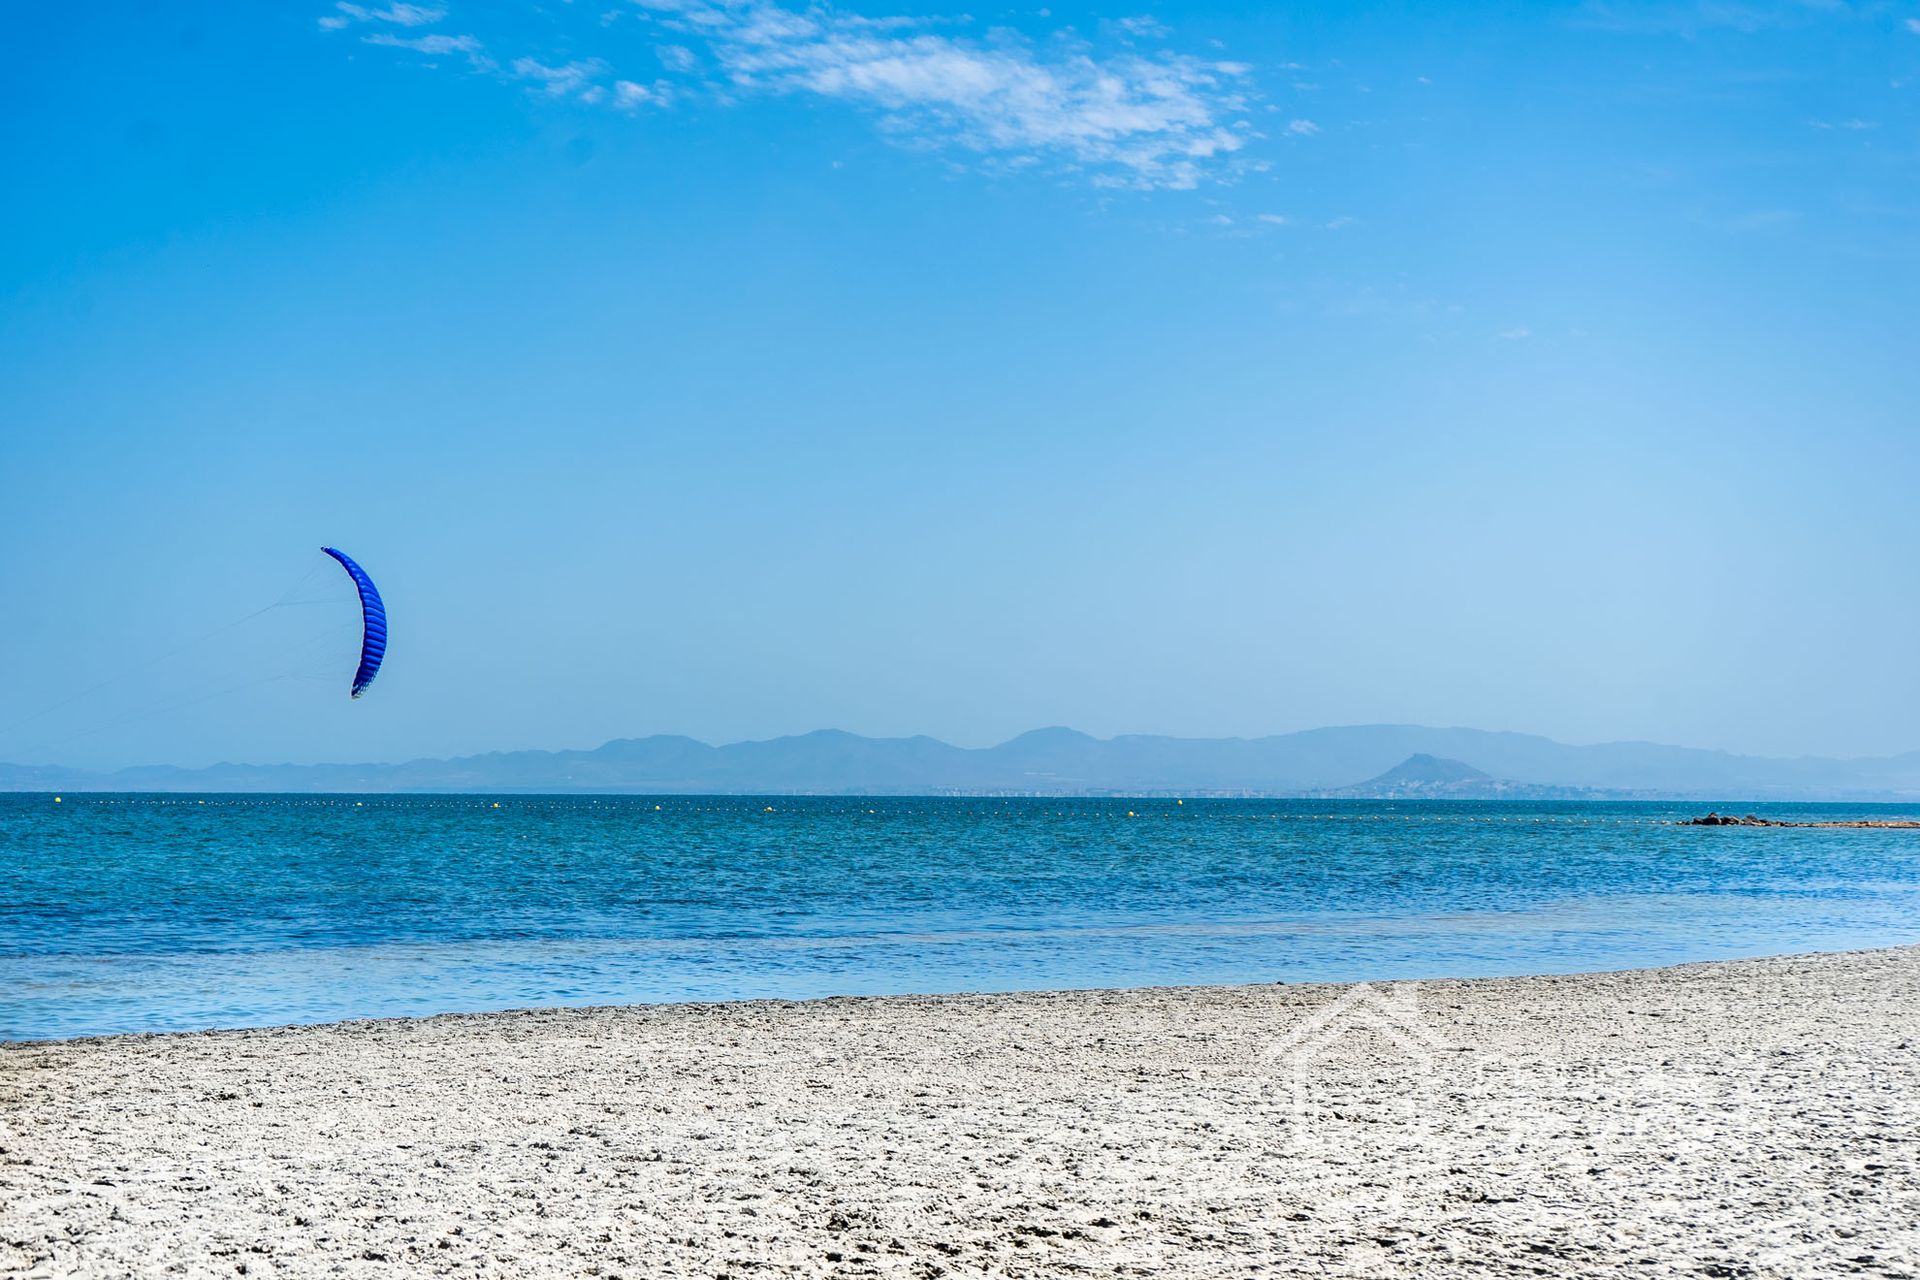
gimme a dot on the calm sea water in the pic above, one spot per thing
(144, 913)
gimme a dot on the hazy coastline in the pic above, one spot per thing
(1383, 761)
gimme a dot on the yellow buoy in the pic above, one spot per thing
(56, 799)
(496, 804)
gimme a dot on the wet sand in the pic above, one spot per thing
(1754, 1118)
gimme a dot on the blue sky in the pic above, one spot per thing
(744, 369)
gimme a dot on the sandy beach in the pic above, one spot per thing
(1753, 1118)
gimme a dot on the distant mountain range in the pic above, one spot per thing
(1393, 760)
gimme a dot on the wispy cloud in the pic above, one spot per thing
(628, 94)
(400, 15)
(568, 78)
(1145, 26)
(1117, 115)
(410, 15)
(426, 44)
(1302, 128)
(432, 44)
(1127, 118)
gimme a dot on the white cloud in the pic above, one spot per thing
(1276, 219)
(1138, 121)
(399, 14)
(1302, 128)
(1913, 25)
(1120, 116)
(1144, 25)
(427, 44)
(568, 78)
(628, 94)
(1516, 334)
(410, 15)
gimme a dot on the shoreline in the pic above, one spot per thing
(1758, 1115)
(775, 1004)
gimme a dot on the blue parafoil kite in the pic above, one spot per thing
(373, 616)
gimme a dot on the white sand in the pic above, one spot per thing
(1754, 1118)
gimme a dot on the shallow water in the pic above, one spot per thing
(160, 913)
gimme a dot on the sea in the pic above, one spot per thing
(150, 913)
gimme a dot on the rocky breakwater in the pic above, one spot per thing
(1728, 820)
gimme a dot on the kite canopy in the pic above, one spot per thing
(373, 615)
